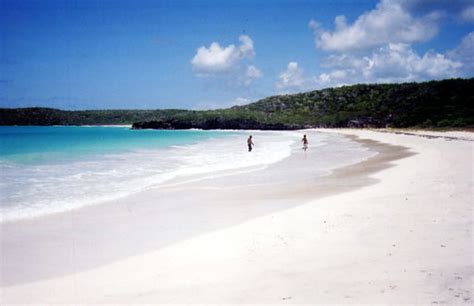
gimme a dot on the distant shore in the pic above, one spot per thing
(395, 228)
(434, 104)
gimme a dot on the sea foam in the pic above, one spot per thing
(34, 189)
(30, 190)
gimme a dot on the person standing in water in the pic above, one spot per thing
(250, 143)
(305, 143)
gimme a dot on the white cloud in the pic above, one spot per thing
(342, 61)
(454, 9)
(389, 22)
(214, 59)
(206, 105)
(464, 53)
(246, 48)
(229, 65)
(468, 14)
(376, 47)
(217, 59)
(391, 63)
(251, 73)
(240, 101)
(292, 78)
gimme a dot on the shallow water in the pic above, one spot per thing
(53, 169)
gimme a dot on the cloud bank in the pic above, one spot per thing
(391, 63)
(389, 22)
(378, 47)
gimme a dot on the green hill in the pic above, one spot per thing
(447, 103)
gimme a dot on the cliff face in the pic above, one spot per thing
(447, 103)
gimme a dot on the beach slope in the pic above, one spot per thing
(394, 229)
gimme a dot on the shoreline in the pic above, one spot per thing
(176, 192)
(295, 214)
(209, 156)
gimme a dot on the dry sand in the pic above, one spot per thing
(394, 229)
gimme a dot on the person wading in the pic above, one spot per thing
(250, 143)
(305, 143)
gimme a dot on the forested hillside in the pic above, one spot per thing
(447, 103)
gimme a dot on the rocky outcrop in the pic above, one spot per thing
(162, 125)
(215, 124)
(366, 122)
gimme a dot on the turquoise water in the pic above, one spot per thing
(46, 170)
(52, 169)
(33, 144)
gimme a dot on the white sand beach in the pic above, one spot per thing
(394, 229)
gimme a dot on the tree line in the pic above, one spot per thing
(445, 103)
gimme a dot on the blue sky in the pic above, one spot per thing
(211, 54)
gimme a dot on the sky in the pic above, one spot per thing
(203, 54)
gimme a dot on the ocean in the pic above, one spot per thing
(47, 170)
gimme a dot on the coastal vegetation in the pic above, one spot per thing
(446, 103)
